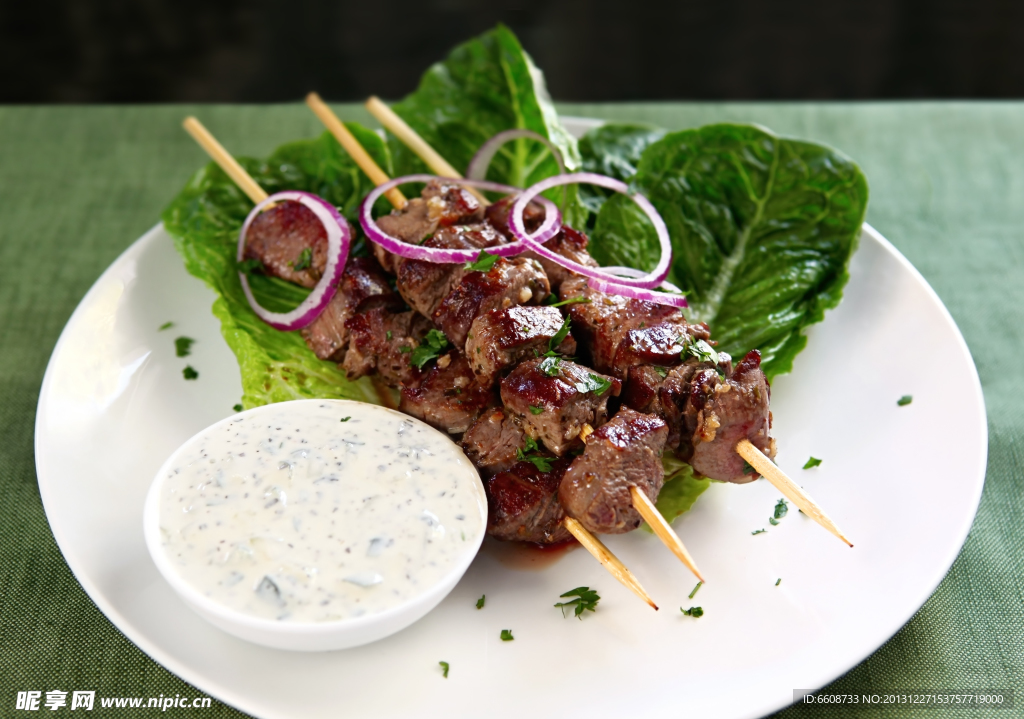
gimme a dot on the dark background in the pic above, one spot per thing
(67, 51)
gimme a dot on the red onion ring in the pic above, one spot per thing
(633, 272)
(638, 293)
(339, 240)
(477, 169)
(552, 219)
(535, 241)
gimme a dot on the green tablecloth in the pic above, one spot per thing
(78, 185)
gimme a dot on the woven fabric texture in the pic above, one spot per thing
(80, 184)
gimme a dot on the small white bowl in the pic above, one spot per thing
(325, 635)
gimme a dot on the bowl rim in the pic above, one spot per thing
(193, 596)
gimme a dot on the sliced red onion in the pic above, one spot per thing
(543, 233)
(477, 169)
(638, 293)
(633, 272)
(552, 219)
(339, 240)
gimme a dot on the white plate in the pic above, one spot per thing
(114, 405)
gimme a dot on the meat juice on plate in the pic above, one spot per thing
(313, 512)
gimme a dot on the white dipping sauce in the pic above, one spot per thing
(287, 512)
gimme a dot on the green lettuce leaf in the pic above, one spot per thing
(762, 231)
(613, 150)
(484, 86)
(682, 487)
(204, 220)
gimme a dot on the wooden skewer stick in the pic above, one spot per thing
(790, 490)
(411, 139)
(610, 562)
(354, 149)
(223, 158)
(650, 513)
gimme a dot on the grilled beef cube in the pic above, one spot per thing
(377, 339)
(709, 414)
(442, 204)
(509, 282)
(448, 396)
(425, 284)
(497, 215)
(491, 443)
(603, 323)
(641, 389)
(624, 453)
(499, 339)
(362, 287)
(523, 504)
(571, 245)
(279, 238)
(661, 345)
(554, 398)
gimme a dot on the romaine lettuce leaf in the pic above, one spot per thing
(762, 231)
(613, 150)
(682, 487)
(484, 86)
(205, 219)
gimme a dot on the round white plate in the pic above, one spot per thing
(114, 405)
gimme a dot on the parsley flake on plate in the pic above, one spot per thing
(444, 669)
(165, 326)
(905, 400)
(586, 601)
(189, 373)
(433, 344)
(812, 462)
(183, 346)
(506, 635)
(480, 601)
(778, 581)
(699, 585)
(238, 408)
(345, 419)
(759, 531)
(695, 612)
(483, 263)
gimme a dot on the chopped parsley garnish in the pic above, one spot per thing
(812, 462)
(480, 601)
(304, 260)
(702, 351)
(506, 635)
(183, 346)
(165, 326)
(699, 585)
(405, 349)
(549, 366)
(662, 372)
(781, 509)
(388, 335)
(238, 408)
(536, 410)
(562, 333)
(431, 347)
(747, 469)
(593, 383)
(695, 612)
(778, 581)
(586, 601)
(444, 669)
(189, 372)
(580, 299)
(905, 400)
(483, 263)
(247, 267)
(345, 419)
(759, 531)
(527, 454)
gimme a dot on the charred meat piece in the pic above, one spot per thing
(624, 453)
(641, 389)
(604, 322)
(736, 409)
(381, 341)
(571, 245)
(497, 215)
(290, 242)
(516, 281)
(442, 204)
(425, 284)
(448, 396)
(554, 398)
(662, 344)
(362, 287)
(523, 504)
(492, 442)
(499, 339)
